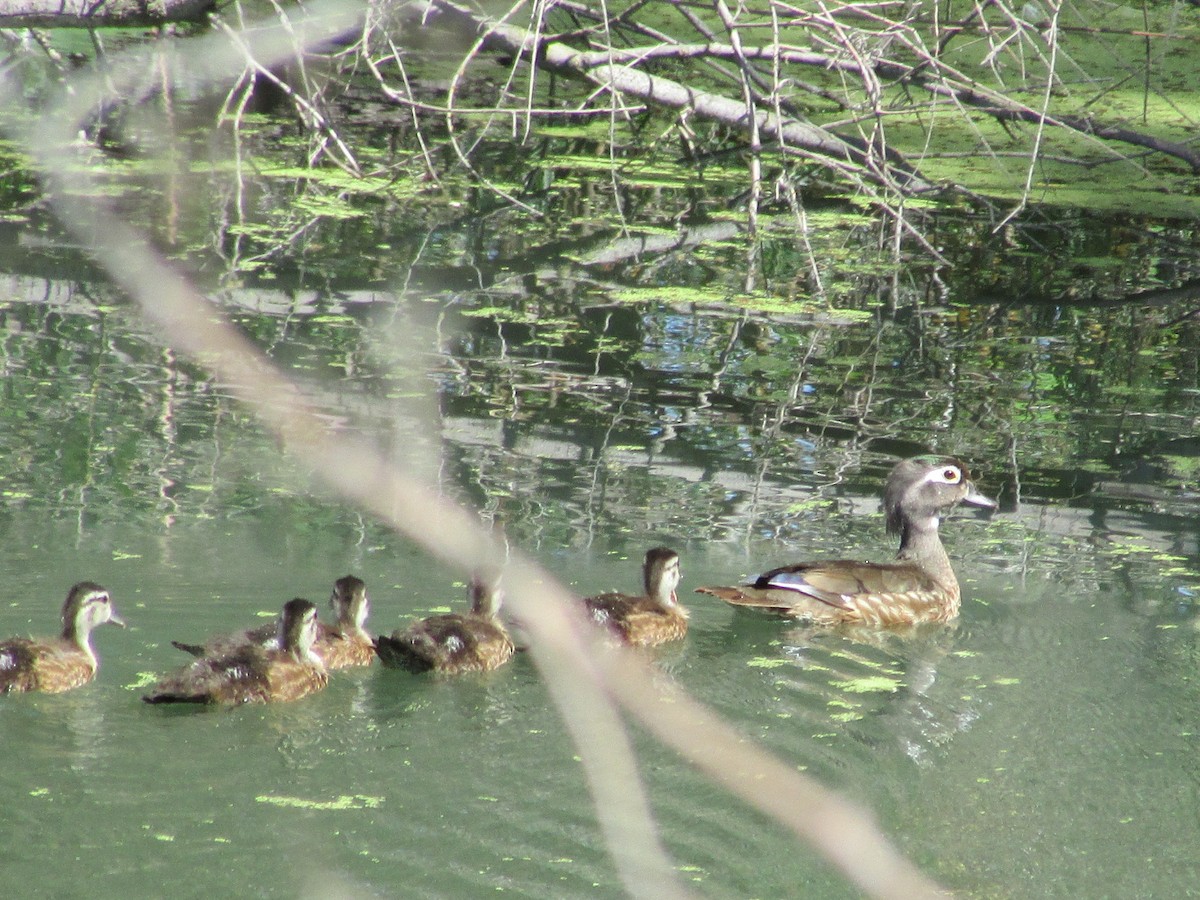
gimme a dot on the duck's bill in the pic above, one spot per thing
(974, 498)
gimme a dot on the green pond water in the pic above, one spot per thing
(1043, 745)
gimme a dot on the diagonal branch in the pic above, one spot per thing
(602, 69)
(583, 682)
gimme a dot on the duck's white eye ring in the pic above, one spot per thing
(951, 475)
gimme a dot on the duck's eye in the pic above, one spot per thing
(951, 475)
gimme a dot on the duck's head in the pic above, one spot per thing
(487, 593)
(349, 601)
(660, 575)
(87, 606)
(298, 627)
(919, 490)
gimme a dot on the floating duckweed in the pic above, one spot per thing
(345, 801)
(331, 319)
(869, 684)
(767, 662)
(144, 679)
(846, 716)
(843, 704)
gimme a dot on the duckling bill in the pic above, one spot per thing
(919, 586)
(53, 665)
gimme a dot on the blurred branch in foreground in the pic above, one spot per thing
(586, 682)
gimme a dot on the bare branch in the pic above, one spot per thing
(601, 69)
(102, 13)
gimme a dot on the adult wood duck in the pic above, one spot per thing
(918, 587)
(340, 645)
(252, 673)
(453, 643)
(59, 664)
(652, 618)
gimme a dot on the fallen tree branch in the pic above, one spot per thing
(989, 102)
(102, 13)
(604, 70)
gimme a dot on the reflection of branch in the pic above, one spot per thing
(581, 678)
(1166, 296)
(303, 106)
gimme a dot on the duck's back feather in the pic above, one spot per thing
(250, 674)
(847, 591)
(637, 620)
(447, 643)
(49, 666)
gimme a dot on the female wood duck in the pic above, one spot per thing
(651, 619)
(453, 643)
(252, 673)
(59, 664)
(341, 645)
(918, 587)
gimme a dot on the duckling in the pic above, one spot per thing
(252, 673)
(341, 645)
(59, 664)
(651, 619)
(920, 586)
(455, 642)
(346, 643)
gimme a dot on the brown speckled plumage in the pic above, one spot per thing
(652, 618)
(252, 673)
(341, 645)
(920, 586)
(59, 664)
(453, 643)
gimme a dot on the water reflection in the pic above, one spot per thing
(591, 431)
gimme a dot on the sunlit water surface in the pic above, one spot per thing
(1043, 745)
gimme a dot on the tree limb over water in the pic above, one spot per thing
(880, 96)
(881, 65)
(102, 14)
(610, 71)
